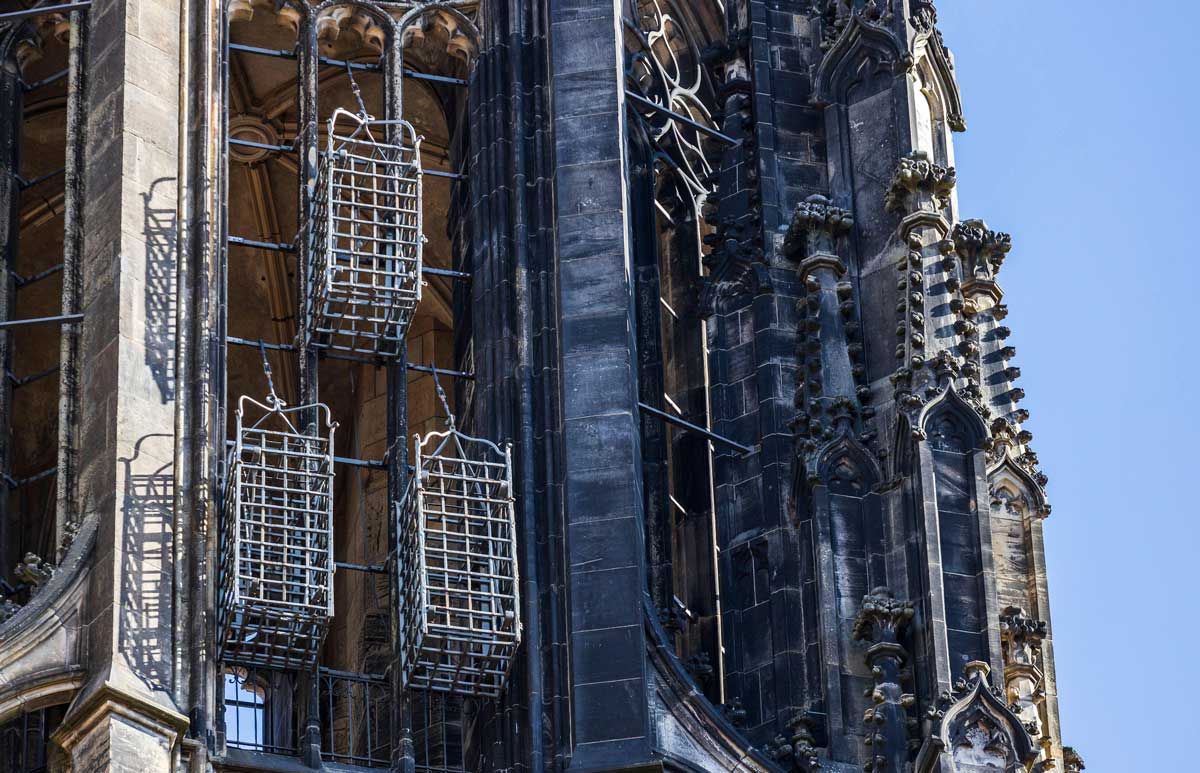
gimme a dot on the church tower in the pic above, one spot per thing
(500, 386)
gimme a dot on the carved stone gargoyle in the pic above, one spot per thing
(33, 571)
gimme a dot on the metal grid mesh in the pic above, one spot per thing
(457, 567)
(277, 538)
(367, 243)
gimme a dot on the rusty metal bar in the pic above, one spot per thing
(366, 360)
(262, 145)
(261, 245)
(27, 184)
(27, 12)
(28, 87)
(22, 281)
(682, 118)
(446, 272)
(19, 482)
(19, 381)
(361, 567)
(284, 54)
(744, 450)
(63, 319)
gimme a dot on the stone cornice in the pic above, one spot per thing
(101, 698)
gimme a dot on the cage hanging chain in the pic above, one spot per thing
(362, 108)
(441, 393)
(272, 398)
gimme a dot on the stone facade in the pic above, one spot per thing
(700, 264)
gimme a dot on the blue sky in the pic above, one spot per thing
(1081, 143)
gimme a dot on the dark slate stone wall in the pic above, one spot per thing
(513, 324)
(606, 574)
(767, 548)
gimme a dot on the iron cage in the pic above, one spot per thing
(457, 567)
(367, 237)
(277, 536)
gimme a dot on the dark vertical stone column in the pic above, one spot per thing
(880, 623)
(72, 282)
(606, 574)
(11, 122)
(767, 546)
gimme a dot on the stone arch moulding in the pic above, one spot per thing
(21, 41)
(842, 447)
(858, 40)
(697, 736)
(971, 421)
(374, 23)
(936, 66)
(41, 645)
(1007, 473)
(973, 730)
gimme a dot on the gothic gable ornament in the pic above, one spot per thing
(862, 35)
(972, 730)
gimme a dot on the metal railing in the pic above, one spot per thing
(437, 733)
(355, 718)
(25, 740)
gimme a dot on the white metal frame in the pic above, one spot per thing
(457, 567)
(368, 240)
(277, 537)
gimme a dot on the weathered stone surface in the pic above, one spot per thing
(708, 275)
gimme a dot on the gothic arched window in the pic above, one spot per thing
(671, 98)
(41, 126)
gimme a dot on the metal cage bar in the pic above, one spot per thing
(277, 537)
(457, 567)
(367, 240)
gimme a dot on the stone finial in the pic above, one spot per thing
(882, 617)
(919, 185)
(982, 252)
(1022, 635)
(923, 15)
(800, 750)
(945, 367)
(815, 227)
(1072, 762)
(881, 621)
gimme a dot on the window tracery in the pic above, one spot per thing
(671, 97)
